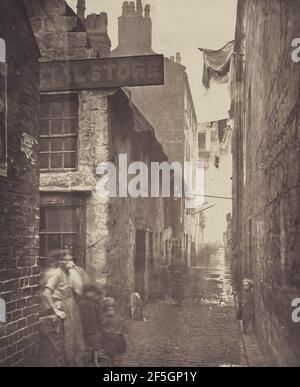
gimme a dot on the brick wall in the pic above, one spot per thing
(19, 198)
(271, 189)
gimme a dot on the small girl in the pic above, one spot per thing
(247, 306)
(114, 330)
(136, 307)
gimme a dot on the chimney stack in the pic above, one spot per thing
(81, 7)
(96, 26)
(135, 30)
(178, 58)
(172, 58)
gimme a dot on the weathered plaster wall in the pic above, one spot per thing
(93, 148)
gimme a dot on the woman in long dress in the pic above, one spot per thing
(59, 296)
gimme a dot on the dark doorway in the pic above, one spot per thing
(140, 263)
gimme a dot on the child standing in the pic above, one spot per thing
(114, 330)
(177, 287)
(91, 316)
(247, 306)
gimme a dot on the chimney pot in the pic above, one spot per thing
(132, 8)
(81, 7)
(125, 8)
(172, 58)
(147, 11)
(139, 7)
(103, 22)
(104, 18)
(178, 57)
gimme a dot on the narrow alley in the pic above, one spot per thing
(203, 332)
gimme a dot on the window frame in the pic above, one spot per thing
(63, 136)
(63, 201)
(61, 233)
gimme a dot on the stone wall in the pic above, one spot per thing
(92, 150)
(61, 35)
(108, 125)
(107, 129)
(131, 134)
(271, 191)
(19, 192)
(169, 108)
(59, 32)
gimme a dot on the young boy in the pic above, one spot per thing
(114, 330)
(247, 306)
(91, 316)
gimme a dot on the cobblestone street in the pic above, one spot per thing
(201, 333)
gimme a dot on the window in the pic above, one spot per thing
(202, 141)
(62, 228)
(58, 132)
(58, 229)
(222, 125)
(62, 225)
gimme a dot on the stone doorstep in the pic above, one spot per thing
(255, 357)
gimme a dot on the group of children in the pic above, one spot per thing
(104, 330)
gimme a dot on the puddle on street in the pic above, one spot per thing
(215, 284)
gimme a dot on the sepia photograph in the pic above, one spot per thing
(149, 186)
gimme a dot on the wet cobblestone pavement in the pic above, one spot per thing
(203, 332)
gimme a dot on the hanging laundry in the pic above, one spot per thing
(216, 64)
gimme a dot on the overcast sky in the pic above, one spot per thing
(183, 26)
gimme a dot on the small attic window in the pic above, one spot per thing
(2, 50)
